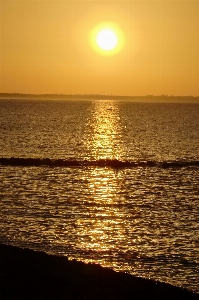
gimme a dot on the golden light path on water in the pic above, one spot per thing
(105, 138)
(138, 220)
(103, 229)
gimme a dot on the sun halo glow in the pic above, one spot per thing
(107, 38)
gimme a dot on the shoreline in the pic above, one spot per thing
(29, 274)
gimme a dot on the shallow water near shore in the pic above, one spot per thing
(142, 220)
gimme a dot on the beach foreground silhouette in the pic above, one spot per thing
(27, 274)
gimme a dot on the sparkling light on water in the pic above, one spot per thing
(140, 220)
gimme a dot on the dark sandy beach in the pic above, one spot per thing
(27, 274)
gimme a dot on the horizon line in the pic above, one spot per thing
(95, 95)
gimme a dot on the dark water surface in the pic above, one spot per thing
(143, 220)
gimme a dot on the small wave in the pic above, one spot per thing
(111, 163)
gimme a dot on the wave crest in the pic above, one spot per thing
(112, 163)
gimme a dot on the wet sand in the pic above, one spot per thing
(27, 274)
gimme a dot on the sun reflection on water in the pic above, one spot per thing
(104, 138)
(103, 227)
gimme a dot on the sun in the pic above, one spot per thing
(107, 39)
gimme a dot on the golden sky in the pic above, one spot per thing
(49, 47)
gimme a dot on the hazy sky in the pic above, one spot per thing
(48, 47)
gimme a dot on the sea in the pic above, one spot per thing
(110, 182)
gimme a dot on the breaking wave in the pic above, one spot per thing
(111, 163)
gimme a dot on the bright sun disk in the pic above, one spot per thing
(107, 39)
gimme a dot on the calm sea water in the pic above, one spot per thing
(142, 220)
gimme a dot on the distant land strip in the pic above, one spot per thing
(111, 163)
(146, 98)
